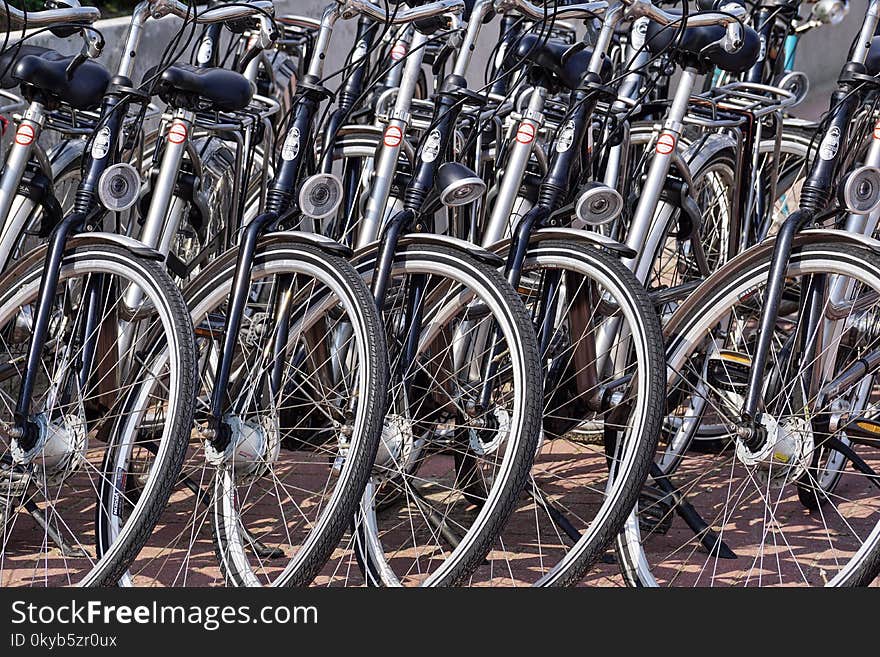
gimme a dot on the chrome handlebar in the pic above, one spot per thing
(351, 8)
(535, 12)
(218, 14)
(12, 17)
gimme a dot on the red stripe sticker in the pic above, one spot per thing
(665, 143)
(24, 136)
(177, 133)
(398, 52)
(393, 136)
(877, 130)
(526, 133)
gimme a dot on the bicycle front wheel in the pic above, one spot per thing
(462, 426)
(304, 410)
(67, 513)
(735, 515)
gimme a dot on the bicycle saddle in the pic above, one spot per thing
(45, 70)
(696, 39)
(554, 58)
(189, 87)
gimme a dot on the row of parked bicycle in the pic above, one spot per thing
(597, 310)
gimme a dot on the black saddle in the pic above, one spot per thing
(872, 63)
(566, 63)
(695, 39)
(45, 70)
(189, 87)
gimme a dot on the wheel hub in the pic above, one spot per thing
(487, 440)
(786, 452)
(60, 447)
(397, 444)
(252, 449)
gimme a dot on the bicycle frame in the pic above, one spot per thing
(815, 194)
(280, 208)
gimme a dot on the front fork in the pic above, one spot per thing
(814, 196)
(25, 432)
(217, 430)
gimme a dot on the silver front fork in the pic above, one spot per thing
(840, 290)
(26, 136)
(392, 142)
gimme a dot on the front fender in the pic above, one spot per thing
(571, 234)
(38, 254)
(478, 252)
(762, 251)
(301, 237)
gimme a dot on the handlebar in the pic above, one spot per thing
(581, 10)
(18, 18)
(733, 13)
(218, 14)
(350, 8)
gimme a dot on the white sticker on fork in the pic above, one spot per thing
(291, 145)
(830, 144)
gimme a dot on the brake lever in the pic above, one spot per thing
(258, 42)
(93, 45)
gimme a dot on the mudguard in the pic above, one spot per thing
(763, 251)
(478, 252)
(301, 237)
(570, 234)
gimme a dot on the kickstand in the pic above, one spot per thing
(434, 519)
(709, 539)
(40, 518)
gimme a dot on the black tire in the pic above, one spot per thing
(432, 468)
(571, 487)
(161, 318)
(832, 550)
(224, 533)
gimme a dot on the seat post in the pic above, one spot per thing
(176, 138)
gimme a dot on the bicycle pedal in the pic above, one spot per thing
(729, 370)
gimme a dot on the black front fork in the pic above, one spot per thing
(815, 195)
(281, 196)
(431, 155)
(281, 201)
(351, 90)
(99, 158)
(238, 298)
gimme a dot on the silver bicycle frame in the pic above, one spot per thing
(386, 162)
(15, 208)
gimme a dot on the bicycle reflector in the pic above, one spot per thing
(119, 187)
(598, 204)
(860, 190)
(830, 12)
(320, 195)
(794, 82)
(458, 185)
